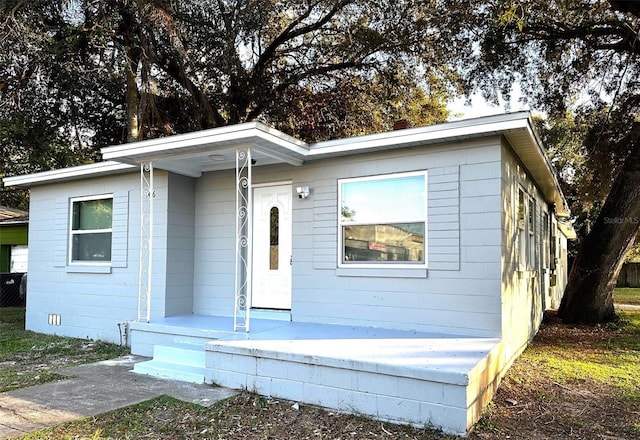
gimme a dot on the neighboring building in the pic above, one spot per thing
(396, 275)
(14, 227)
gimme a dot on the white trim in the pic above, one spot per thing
(207, 139)
(389, 272)
(87, 263)
(382, 265)
(92, 197)
(279, 183)
(459, 130)
(91, 170)
(85, 268)
(516, 128)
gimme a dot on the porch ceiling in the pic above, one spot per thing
(211, 150)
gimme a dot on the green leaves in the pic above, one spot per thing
(105, 71)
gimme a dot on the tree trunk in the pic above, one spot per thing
(588, 297)
(133, 133)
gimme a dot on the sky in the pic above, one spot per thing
(480, 107)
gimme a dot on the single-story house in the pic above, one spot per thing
(14, 232)
(397, 275)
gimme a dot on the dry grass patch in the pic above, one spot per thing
(578, 382)
(245, 416)
(573, 382)
(627, 295)
(28, 358)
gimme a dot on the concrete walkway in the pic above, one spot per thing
(93, 389)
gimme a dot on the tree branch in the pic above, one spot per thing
(289, 33)
(624, 34)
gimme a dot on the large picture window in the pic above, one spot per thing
(383, 220)
(90, 229)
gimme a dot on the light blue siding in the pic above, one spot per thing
(90, 304)
(180, 245)
(458, 293)
(194, 248)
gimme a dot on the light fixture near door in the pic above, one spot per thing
(303, 192)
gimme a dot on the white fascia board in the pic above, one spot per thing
(496, 125)
(165, 147)
(282, 139)
(91, 170)
(567, 230)
(446, 132)
(13, 222)
(542, 169)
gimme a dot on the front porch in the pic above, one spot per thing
(398, 376)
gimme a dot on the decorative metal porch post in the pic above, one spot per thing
(243, 240)
(147, 193)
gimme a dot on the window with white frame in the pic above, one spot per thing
(532, 233)
(383, 220)
(545, 241)
(526, 239)
(522, 226)
(90, 229)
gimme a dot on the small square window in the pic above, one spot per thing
(91, 229)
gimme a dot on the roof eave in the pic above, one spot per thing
(517, 128)
(529, 149)
(210, 140)
(64, 174)
(13, 222)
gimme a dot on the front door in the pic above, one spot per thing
(271, 287)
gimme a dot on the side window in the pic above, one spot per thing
(527, 239)
(531, 226)
(383, 220)
(545, 240)
(522, 227)
(90, 229)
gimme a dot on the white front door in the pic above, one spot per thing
(271, 286)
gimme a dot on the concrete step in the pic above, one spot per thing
(167, 370)
(181, 354)
(185, 362)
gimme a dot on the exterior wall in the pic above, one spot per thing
(525, 287)
(459, 292)
(19, 259)
(13, 235)
(470, 249)
(180, 246)
(90, 301)
(10, 236)
(214, 261)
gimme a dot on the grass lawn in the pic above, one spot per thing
(627, 295)
(28, 358)
(572, 382)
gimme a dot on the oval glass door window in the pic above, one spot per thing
(274, 233)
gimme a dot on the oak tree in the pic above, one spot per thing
(81, 74)
(576, 57)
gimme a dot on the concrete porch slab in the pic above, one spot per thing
(393, 375)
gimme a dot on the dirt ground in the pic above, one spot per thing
(542, 397)
(530, 403)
